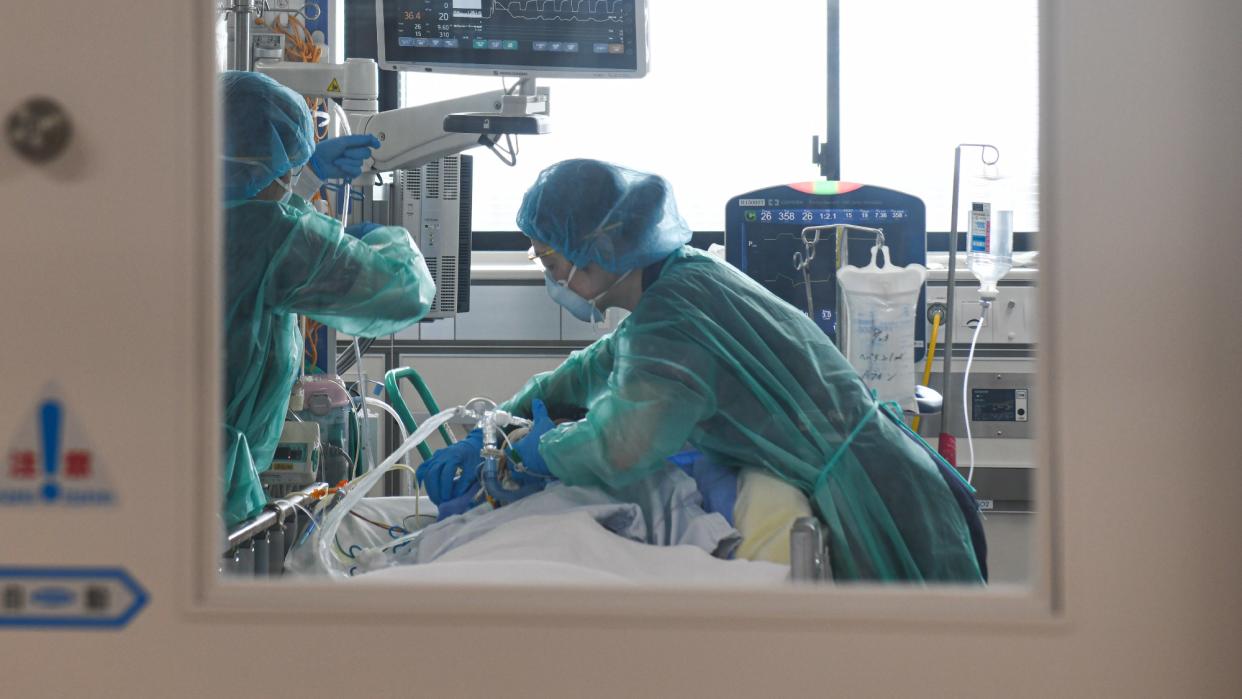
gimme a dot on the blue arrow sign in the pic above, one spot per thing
(68, 597)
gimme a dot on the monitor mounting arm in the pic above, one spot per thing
(413, 136)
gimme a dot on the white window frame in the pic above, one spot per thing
(208, 597)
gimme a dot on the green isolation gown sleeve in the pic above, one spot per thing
(645, 409)
(711, 358)
(579, 379)
(369, 287)
(284, 260)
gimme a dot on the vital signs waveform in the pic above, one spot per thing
(559, 10)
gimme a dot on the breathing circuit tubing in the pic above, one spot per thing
(377, 403)
(363, 429)
(358, 489)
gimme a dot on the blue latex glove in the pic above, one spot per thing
(528, 446)
(451, 471)
(523, 484)
(717, 484)
(460, 504)
(341, 158)
(532, 475)
(359, 230)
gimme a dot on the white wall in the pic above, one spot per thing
(1143, 142)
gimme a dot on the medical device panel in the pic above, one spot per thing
(295, 464)
(561, 38)
(433, 203)
(763, 231)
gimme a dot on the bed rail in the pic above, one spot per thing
(258, 546)
(808, 551)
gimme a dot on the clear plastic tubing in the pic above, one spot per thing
(970, 359)
(360, 487)
(363, 429)
(377, 403)
(342, 121)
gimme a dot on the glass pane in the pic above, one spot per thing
(728, 107)
(918, 78)
(707, 413)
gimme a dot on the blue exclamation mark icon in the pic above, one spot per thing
(50, 414)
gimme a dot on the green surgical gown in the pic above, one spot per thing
(284, 260)
(711, 358)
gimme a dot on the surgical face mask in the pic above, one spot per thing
(578, 307)
(293, 180)
(284, 198)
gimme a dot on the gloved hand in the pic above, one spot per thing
(460, 504)
(514, 487)
(451, 471)
(341, 158)
(532, 474)
(528, 446)
(359, 230)
(717, 484)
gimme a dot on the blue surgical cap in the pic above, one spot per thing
(592, 211)
(267, 132)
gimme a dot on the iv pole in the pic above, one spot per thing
(946, 388)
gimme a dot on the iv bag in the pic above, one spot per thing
(990, 242)
(881, 312)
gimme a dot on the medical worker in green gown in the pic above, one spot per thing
(710, 358)
(283, 259)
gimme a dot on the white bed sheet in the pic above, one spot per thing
(572, 548)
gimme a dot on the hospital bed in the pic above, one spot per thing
(261, 546)
(258, 546)
(535, 549)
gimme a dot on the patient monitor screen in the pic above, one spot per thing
(557, 37)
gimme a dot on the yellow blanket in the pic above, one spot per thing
(764, 513)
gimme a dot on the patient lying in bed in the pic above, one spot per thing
(760, 506)
(662, 522)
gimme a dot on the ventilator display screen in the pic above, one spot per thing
(290, 452)
(819, 217)
(764, 231)
(539, 36)
(773, 235)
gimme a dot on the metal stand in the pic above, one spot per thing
(946, 389)
(802, 263)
